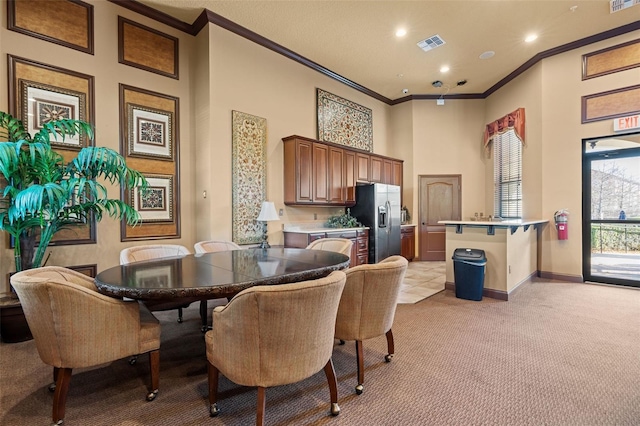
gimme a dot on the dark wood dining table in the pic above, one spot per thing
(216, 275)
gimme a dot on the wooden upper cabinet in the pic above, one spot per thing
(336, 176)
(362, 167)
(320, 176)
(323, 173)
(349, 177)
(377, 170)
(306, 178)
(397, 173)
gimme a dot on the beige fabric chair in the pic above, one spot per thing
(275, 335)
(212, 246)
(368, 306)
(74, 326)
(340, 245)
(156, 251)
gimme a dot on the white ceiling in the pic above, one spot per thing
(356, 39)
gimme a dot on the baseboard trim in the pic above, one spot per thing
(497, 294)
(486, 292)
(561, 277)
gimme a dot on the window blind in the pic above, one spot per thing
(507, 175)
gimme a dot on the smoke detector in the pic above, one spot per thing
(437, 83)
(431, 43)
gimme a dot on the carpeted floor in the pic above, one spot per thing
(555, 354)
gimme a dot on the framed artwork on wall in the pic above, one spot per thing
(150, 132)
(150, 144)
(43, 103)
(155, 203)
(39, 93)
(344, 122)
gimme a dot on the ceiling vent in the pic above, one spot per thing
(431, 43)
(618, 5)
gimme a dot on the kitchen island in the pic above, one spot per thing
(511, 248)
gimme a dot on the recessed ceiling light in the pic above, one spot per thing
(530, 38)
(488, 54)
(444, 69)
(401, 32)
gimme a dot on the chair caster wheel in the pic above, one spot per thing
(335, 409)
(152, 395)
(213, 410)
(52, 387)
(388, 357)
(205, 328)
(133, 360)
(179, 320)
(359, 389)
(58, 423)
(341, 342)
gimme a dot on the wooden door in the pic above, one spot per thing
(350, 177)
(304, 178)
(439, 199)
(362, 167)
(376, 174)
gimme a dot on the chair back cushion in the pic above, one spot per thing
(151, 251)
(368, 303)
(274, 335)
(339, 245)
(73, 325)
(212, 246)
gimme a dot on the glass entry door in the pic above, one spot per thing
(611, 210)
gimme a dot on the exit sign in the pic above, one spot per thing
(626, 123)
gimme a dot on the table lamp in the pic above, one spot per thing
(267, 214)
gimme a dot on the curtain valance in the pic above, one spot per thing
(513, 120)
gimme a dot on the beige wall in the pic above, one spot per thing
(551, 93)
(447, 139)
(252, 79)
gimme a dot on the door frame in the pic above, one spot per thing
(587, 159)
(420, 195)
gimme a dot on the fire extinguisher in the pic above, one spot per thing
(561, 218)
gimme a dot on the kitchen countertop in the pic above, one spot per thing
(505, 223)
(314, 230)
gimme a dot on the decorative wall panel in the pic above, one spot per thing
(612, 59)
(249, 139)
(149, 143)
(148, 49)
(65, 22)
(344, 122)
(611, 104)
(39, 93)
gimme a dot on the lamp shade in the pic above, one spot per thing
(268, 212)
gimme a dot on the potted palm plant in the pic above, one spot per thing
(42, 194)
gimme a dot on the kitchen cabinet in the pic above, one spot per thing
(362, 167)
(408, 241)
(323, 173)
(376, 175)
(359, 237)
(337, 186)
(306, 172)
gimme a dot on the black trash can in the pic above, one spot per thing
(468, 271)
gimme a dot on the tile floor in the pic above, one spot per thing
(422, 279)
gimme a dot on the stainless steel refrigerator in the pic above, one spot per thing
(378, 207)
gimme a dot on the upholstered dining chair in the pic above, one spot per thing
(150, 252)
(74, 326)
(368, 306)
(275, 335)
(211, 246)
(340, 245)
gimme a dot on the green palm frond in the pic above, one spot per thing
(44, 192)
